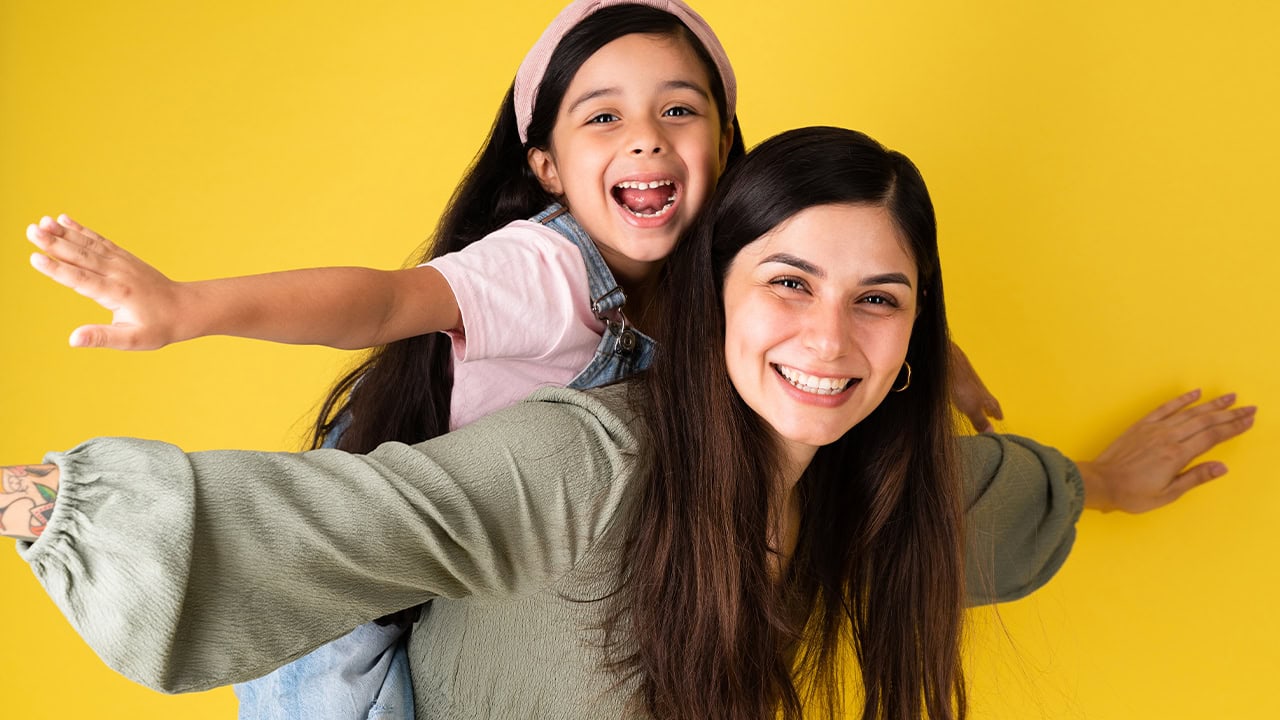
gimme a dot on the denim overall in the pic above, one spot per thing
(365, 674)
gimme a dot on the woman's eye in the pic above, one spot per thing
(602, 118)
(884, 300)
(789, 283)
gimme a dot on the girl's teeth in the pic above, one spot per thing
(812, 383)
(643, 185)
(645, 206)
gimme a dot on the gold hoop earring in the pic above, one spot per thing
(906, 384)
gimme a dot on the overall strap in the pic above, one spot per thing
(606, 295)
(623, 350)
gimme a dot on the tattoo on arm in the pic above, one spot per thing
(27, 496)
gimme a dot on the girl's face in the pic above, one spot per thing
(636, 149)
(818, 313)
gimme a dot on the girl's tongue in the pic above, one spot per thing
(645, 201)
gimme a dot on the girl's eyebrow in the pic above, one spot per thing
(592, 95)
(894, 278)
(668, 85)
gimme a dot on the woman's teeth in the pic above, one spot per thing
(813, 383)
(645, 199)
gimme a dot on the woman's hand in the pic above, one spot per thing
(1146, 467)
(969, 394)
(145, 305)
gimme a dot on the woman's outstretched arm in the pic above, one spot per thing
(28, 494)
(188, 571)
(1024, 498)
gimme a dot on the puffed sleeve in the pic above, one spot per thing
(1023, 500)
(189, 571)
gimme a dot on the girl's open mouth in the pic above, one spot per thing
(645, 199)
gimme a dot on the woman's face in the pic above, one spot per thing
(818, 313)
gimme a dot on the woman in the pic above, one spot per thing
(781, 479)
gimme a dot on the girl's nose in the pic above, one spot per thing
(647, 139)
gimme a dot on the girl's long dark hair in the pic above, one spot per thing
(704, 621)
(401, 391)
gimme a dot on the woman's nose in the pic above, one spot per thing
(828, 333)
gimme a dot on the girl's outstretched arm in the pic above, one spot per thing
(342, 307)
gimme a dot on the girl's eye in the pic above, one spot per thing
(602, 118)
(678, 111)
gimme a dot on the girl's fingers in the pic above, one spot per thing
(88, 234)
(86, 283)
(69, 235)
(67, 222)
(69, 248)
(75, 234)
(116, 337)
(120, 336)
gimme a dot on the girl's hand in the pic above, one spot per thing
(143, 302)
(970, 395)
(1146, 467)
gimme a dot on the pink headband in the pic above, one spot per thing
(529, 76)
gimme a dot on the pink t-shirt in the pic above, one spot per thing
(524, 298)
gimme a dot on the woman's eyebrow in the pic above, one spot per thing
(797, 263)
(887, 279)
(894, 278)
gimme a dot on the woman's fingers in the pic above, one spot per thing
(1215, 428)
(1146, 467)
(1171, 407)
(1192, 477)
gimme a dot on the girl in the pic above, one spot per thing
(660, 548)
(623, 115)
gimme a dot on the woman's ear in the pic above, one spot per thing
(543, 165)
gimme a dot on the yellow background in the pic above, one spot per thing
(1105, 176)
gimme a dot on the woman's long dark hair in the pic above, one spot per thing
(401, 391)
(704, 621)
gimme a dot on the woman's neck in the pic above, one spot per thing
(784, 531)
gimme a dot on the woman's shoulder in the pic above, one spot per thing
(606, 413)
